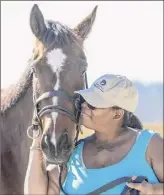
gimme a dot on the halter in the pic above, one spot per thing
(38, 114)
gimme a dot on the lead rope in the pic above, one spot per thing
(60, 179)
(75, 142)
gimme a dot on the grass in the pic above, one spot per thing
(155, 127)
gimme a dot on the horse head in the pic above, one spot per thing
(58, 66)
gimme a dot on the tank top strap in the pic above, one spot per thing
(77, 152)
(142, 142)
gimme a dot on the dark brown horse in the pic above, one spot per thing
(55, 71)
(59, 63)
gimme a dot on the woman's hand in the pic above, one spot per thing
(36, 141)
(146, 188)
(36, 180)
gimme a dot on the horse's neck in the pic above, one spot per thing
(16, 121)
(15, 143)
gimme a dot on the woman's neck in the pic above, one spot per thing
(109, 135)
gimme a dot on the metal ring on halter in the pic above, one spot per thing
(31, 129)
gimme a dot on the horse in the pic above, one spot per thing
(58, 64)
(44, 96)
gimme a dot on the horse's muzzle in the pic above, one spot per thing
(56, 152)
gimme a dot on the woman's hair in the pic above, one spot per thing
(130, 120)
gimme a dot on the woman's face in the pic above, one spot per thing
(94, 118)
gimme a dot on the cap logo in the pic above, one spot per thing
(103, 82)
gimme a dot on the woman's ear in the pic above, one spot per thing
(118, 114)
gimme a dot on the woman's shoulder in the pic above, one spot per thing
(154, 155)
(145, 137)
(155, 146)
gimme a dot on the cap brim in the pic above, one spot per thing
(92, 97)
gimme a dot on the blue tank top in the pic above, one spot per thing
(80, 180)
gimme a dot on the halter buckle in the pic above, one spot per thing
(31, 129)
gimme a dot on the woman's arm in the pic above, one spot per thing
(36, 179)
(154, 157)
(155, 154)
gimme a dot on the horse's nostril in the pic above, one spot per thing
(63, 142)
(45, 141)
(65, 138)
(51, 149)
(47, 146)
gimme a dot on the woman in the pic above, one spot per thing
(113, 151)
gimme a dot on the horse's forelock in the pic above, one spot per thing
(38, 50)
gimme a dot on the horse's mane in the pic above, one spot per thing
(14, 92)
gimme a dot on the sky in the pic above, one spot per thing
(126, 39)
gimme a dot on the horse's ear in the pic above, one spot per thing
(37, 23)
(84, 27)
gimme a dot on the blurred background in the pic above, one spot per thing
(127, 39)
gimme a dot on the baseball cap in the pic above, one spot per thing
(111, 90)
